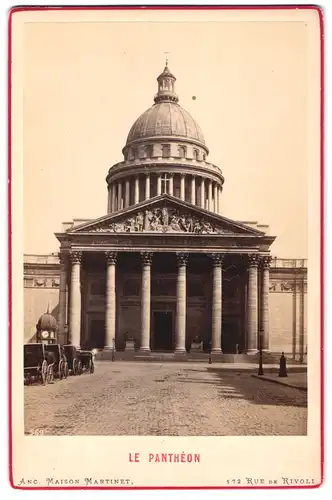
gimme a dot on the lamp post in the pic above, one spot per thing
(260, 368)
(66, 331)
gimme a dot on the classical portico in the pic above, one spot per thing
(169, 275)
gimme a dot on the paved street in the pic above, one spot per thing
(174, 399)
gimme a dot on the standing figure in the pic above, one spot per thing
(164, 216)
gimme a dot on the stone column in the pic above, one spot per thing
(215, 196)
(146, 301)
(171, 178)
(219, 199)
(136, 199)
(265, 263)
(193, 190)
(110, 319)
(62, 297)
(127, 193)
(113, 197)
(210, 205)
(119, 195)
(158, 185)
(109, 199)
(147, 186)
(202, 192)
(252, 304)
(181, 303)
(182, 187)
(75, 299)
(217, 302)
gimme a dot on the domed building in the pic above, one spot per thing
(164, 269)
(165, 153)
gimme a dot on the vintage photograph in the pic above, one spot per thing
(166, 216)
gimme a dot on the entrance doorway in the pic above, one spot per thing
(230, 336)
(163, 330)
(97, 333)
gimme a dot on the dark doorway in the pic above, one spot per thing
(97, 333)
(163, 331)
(230, 337)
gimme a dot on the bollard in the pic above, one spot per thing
(113, 349)
(282, 366)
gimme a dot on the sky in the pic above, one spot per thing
(85, 84)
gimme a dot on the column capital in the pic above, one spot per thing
(146, 258)
(111, 257)
(253, 260)
(182, 258)
(217, 258)
(265, 261)
(63, 259)
(76, 257)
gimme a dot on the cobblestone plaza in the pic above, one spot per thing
(172, 399)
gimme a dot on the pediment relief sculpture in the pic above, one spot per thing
(161, 220)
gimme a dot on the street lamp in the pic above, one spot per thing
(260, 368)
(66, 331)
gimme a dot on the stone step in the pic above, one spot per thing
(268, 358)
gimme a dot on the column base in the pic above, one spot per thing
(180, 350)
(109, 348)
(252, 352)
(145, 351)
(216, 350)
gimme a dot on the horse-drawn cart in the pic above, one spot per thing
(73, 359)
(57, 354)
(36, 365)
(87, 361)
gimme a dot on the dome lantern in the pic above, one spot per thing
(166, 87)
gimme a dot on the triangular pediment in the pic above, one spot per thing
(165, 214)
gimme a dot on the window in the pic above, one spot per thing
(165, 179)
(149, 151)
(204, 157)
(196, 154)
(133, 153)
(182, 151)
(166, 151)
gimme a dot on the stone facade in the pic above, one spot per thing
(164, 269)
(287, 304)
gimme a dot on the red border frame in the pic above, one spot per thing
(168, 7)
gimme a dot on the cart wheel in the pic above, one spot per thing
(79, 368)
(61, 370)
(65, 370)
(44, 372)
(50, 374)
(91, 366)
(75, 366)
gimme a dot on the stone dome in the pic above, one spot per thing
(47, 322)
(166, 119)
